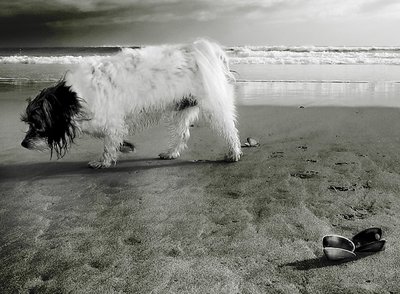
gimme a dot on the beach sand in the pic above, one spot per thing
(198, 224)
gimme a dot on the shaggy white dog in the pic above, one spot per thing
(122, 94)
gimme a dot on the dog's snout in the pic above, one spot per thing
(25, 144)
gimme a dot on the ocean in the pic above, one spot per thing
(277, 75)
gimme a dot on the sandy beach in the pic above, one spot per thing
(200, 225)
(316, 84)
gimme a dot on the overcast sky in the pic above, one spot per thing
(231, 22)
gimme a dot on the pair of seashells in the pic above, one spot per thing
(340, 248)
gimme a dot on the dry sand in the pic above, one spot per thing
(256, 226)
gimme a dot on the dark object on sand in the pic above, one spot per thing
(127, 147)
(369, 240)
(308, 174)
(342, 188)
(251, 142)
(339, 248)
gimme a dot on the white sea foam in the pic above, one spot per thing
(253, 55)
(68, 59)
(314, 55)
(25, 81)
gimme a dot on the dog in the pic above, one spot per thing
(122, 94)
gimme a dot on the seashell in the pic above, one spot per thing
(338, 253)
(337, 241)
(367, 236)
(372, 247)
(369, 240)
(127, 147)
(251, 142)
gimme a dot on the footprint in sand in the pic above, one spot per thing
(132, 241)
(344, 163)
(342, 188)
(277, 154)
(311, 160)
(308, 174)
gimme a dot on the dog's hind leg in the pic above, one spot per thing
(179, 129)
(109, 157)
(222, 120)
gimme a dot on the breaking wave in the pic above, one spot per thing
(237, 54)
(314, 55)
(69, 59)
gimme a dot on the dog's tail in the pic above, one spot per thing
(216, 76)
(212, 51)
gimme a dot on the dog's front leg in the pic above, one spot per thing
(110, 154)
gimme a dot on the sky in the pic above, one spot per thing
(230, 22)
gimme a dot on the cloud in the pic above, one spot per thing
(44, 19)
(199, 10)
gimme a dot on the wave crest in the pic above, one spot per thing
(314, 55)
(243, 55)
(68, 59)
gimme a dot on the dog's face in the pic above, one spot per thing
(51, 119)
(38, 118)
(35, 137)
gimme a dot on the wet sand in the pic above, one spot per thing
(200, 225)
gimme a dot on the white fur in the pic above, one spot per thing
(136, 88)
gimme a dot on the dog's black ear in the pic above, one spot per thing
(47, 111)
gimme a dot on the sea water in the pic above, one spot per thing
(317, 76)
(266, 75)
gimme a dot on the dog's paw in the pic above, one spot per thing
(98, 164)
(168, 155)
(233, 156)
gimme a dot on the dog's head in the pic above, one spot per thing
(51, 117)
